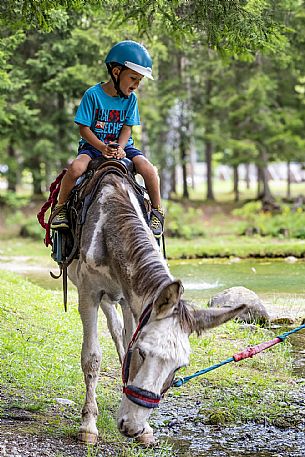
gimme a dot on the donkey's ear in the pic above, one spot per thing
(166, 298)
(212, 317)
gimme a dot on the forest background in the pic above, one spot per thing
(229, 89)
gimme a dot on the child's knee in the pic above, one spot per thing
(145, 168)
(151, 171)
(77, 168)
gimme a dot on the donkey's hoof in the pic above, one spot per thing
(147, 439)
(86, 437)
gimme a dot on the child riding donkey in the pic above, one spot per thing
(105, 117)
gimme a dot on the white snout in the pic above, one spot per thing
(132, 419)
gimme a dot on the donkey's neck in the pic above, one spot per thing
(140, 267)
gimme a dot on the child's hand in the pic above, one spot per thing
(109, 152)
(113, 150)
(120, 153)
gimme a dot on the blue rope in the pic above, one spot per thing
(283, 336)
(180, 381)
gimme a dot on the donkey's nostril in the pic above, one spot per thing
(139, 433)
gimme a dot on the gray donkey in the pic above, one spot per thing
(120, 262)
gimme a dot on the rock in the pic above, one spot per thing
(255, 313)
(291, 259)
(234, 259)
(64, 401)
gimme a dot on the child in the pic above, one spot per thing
(105, 116)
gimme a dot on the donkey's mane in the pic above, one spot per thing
(149, 269)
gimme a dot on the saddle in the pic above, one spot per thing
(82, 196)
(65, 242)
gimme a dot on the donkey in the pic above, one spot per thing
(120, 262)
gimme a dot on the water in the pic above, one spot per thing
(204, 278)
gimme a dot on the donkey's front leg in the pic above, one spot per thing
(115, 325)
(91, 361)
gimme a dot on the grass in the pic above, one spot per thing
(16, 246)
(232, 246)
(40, 362)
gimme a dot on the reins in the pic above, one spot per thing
(245, 354)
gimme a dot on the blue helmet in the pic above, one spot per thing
(132, 55)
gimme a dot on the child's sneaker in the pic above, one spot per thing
(60, 219)
(156, 222)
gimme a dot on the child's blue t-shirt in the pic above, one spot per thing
(105, 115)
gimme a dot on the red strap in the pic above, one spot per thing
(51, 202)
(133, 393)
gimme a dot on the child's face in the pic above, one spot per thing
(129, 81)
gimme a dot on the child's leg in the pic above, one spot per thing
(75, 170)
(151, 179)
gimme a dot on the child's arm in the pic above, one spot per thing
(89, 136)
(124, 135)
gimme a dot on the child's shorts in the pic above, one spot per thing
(86, 148)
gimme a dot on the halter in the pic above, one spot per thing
(142, 397)
(135, 394)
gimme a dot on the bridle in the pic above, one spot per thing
(137, 395)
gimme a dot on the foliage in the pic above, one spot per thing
(228, 246)
(250, 209)
(13, 201)
(30, 229)
(183, 222)
(290, 222)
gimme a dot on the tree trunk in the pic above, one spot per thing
(265, 193)
(34, 163)
(236, 183)
(288, 181)
(173, 182)
(247, 177)
(208, 159)
(183, 159)
(12, 175)
(164, 173)
(184, 139)
(208, 143)
(259, 182)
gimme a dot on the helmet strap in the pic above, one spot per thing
(116, 82)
